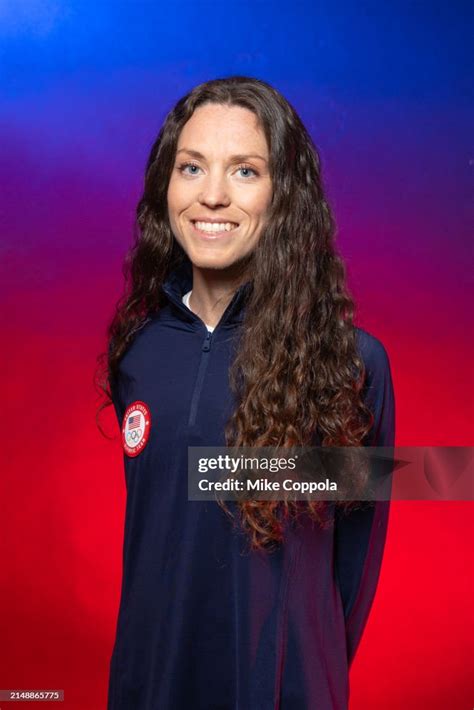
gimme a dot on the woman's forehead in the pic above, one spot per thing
(219, 127)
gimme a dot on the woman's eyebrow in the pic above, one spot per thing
(233, 158)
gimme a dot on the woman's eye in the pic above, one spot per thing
(247, 170)
(192, 171)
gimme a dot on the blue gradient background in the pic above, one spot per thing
(385, 93)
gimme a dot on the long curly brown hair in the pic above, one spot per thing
(297, 373)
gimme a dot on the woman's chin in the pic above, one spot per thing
(210, 261)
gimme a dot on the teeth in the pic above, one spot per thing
(215, 226)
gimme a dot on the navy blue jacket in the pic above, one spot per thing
(202, 623)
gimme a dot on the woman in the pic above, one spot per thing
(236, 329)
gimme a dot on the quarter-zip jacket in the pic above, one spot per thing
(203, 624)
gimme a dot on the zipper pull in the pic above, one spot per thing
(207, 342)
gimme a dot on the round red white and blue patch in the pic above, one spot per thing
(135, 428)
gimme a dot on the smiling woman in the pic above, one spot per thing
(218, 203)
(236, 329)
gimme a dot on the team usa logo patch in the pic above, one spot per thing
(136, 428)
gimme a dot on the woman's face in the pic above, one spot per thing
(220, 188)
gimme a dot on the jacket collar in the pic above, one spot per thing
(180, 281)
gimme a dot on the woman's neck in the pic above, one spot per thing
(212, 292)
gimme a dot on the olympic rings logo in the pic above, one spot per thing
(134, 436)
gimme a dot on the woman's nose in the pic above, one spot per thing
(214, 191)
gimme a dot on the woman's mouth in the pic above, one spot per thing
(211, 230)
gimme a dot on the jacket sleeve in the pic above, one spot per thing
(116, 394)
(117, 403)
(360, 534)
